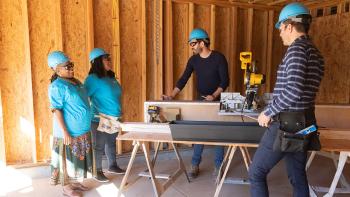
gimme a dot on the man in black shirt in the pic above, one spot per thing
(212, 79)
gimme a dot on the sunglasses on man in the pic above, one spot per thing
(192, 44)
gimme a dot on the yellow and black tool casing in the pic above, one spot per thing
(256, 79)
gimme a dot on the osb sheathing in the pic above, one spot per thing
(42, 41)
(31, 29)
(16, 82)
(331, 35)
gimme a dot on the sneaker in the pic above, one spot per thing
(100, 177)
(194, 171)
(116, 170)
(70, 192)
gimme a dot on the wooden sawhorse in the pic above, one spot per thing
(142, 140)
(334, 140)
(225, 166)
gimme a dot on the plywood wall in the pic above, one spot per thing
(332, 36)
(2, 140)
(16, 82)
(76, 26)
(31, 29)
(43, 39)
(180, 50)
(102, 19)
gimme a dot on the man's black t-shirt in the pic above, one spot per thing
(211, 72)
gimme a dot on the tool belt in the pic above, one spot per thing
(109, 124)
(291, 122)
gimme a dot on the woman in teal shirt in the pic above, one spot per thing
(105, 94)
(72, 153)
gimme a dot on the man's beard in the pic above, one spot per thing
(197, 51)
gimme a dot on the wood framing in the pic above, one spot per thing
(158, 46)
(269, 57)
(228, 3)
(212, 26)
(143, 54)
(148, 42)
(249, 29)
(2, 137)
(116, 52)
(190, 83)
(233, 49)
(116, 39)
(277, 2)
(169, 80)
(313, 4)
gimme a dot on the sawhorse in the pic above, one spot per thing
(345, 189)
(157, 187)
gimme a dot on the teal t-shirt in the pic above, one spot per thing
(73, 101)
(105, 94)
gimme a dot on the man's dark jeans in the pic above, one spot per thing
(265, 159)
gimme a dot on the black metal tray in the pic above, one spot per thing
(214, 131)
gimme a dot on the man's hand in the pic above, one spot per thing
(166, 97)
(209, 98)
(263, 120)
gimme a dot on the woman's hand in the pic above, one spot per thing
(67, 139)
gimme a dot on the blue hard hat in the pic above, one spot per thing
(95, 53)
(291, 10)
(55, 58)
(198, 34)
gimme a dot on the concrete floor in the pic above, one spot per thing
(34, 181)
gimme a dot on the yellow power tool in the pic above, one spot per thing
(251, 79)
(153, 112)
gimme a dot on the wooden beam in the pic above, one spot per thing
(190, 83)
(249, 36)
(256, 1)
(158, 46)
(2, 138)
(249, 29)
(116, 39)
(340, 8)
(143, 55)
(270, 29)
(116, 53)
(169, 79)
(313, 5)
(262, 66)
(89, 29)
(212, 26)
(277, 2)
(233, 49)
(230, 4)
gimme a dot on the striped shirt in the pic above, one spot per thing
(298, 78)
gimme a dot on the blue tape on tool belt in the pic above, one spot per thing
(307, 130)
